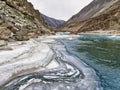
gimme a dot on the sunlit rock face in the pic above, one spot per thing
(89, 11)
(20, 20)
(98, 15)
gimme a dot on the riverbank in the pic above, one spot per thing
(103, 32)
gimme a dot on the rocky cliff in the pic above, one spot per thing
(98, 15)
(20, 21)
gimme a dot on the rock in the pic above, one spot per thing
(3, 43)
(5, 48)
(5, 33)
(19, 18)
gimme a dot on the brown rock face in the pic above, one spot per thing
(21, 19)
(5, 33)
(109, 20)
(98, 15)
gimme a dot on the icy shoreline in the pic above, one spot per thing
(50, 56)
(26, 57)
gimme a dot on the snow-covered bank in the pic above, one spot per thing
(26, 57)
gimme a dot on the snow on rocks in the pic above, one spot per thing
(3, 43)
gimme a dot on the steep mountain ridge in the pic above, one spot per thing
(108, 20)
(52, 22)
(20, 21)
(90, 10)
(98, 15)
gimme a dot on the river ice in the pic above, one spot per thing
(45, 64)
(26, 57)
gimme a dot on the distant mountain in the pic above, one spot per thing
(53, 22)
(99, 14)
(20, 21)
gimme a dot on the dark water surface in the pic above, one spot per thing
(101, 53)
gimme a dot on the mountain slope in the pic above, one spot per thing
(53, 22)
(99, 14)
(20, 21)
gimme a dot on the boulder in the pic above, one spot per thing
(5, 33)
(3, 43)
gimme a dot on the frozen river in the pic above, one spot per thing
(50, 65)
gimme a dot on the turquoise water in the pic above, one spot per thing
(102, 53)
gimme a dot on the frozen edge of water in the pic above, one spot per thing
(25, 58)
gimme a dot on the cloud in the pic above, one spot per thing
(60, 9)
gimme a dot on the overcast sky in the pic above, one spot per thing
(60, 9)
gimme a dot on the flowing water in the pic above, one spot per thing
(102, 53)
